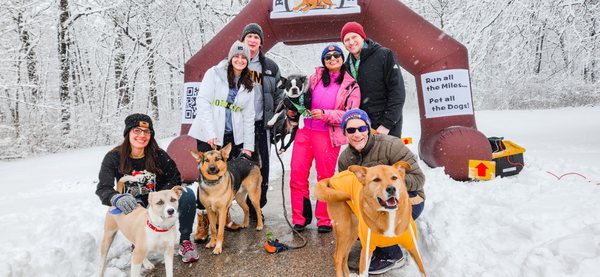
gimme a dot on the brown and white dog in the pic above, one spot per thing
(220, 182)
(307, 5)
(152, 229)
(372, 204)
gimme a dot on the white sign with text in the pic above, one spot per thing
(190, 92)
(447, 93)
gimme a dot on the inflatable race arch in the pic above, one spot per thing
(449, 135)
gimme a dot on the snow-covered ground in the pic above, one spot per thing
(532, 224)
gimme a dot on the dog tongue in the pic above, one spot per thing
(392, 201)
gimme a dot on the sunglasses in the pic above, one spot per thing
(139, 131)
(335, 55)
(352, 130)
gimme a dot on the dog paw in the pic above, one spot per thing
(211, 244)
(199, 241)
(147, 264)
(218, 249)
(259, 227)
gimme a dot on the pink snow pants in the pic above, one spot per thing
(308, 145)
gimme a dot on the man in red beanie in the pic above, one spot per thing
(382, 96)
(378, 74)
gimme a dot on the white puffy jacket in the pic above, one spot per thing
(210, 118)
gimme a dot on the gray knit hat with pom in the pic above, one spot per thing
(238, 48)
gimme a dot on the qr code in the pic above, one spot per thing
(190, 102)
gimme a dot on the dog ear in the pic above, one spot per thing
(305, 86)
(197, 155)
(401, 165)
(281, 82)
(360, 172)
(307, 96)
(178, 190)
(303, 79)
(150, 197)
(225, 151)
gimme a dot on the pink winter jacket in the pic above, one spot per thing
(348, 97)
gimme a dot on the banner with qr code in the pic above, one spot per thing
(296, 8)
(190, 91)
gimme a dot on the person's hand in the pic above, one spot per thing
(213, 143)
(291, 113)
(382, 130)
(124, 202)
(316, 113)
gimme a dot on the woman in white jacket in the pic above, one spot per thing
(225, 105)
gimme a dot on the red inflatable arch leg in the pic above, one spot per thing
(179, 150)
(448, 138)
(453, 147)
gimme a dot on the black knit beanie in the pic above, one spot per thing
(253, 28)
(137, 120)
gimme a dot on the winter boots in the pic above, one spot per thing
(203, 224)
(202, 230)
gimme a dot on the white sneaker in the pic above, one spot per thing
(188, 252)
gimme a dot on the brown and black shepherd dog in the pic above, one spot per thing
(220, 181)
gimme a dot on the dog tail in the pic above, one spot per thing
(326, 193)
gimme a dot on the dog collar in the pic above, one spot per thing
(154, 228)
(210, 183)
(300, 107)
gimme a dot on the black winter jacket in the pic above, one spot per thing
(109, 175)
(272, 95)
(381, 86)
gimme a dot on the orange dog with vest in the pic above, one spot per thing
(371, 203)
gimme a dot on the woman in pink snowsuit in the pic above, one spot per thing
(334, 91)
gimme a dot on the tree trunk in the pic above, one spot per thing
(63, 54)
(174, 91)
(152, 91)
(539, 49)
(14, 112)
(121, 77)
(76, 74)
(30, 58)
(82, 79)
(589, 70)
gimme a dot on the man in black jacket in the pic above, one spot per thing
(378, 75)
(382, 96)
(265, 74)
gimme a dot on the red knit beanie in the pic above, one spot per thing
(353, 27)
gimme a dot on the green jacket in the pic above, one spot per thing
(385, 150)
